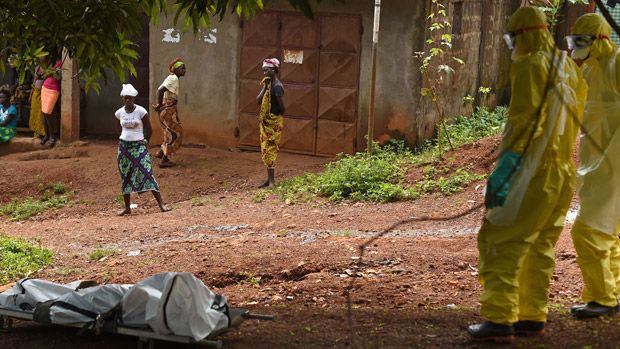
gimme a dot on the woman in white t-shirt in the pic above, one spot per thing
(134, 161)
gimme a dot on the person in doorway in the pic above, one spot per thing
(8, 117)
(531, 187)
(167, 100)
(36, 122)
(50, 92)
(271, 120)
(595, 232)
(134, 161)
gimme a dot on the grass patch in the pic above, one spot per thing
(380, 177)
(260, 195)
(66, 271)
(436, 181)
(466, 129)
(99, 253)
(198, 201)
(53, 188)
(19, 210)
(20, 258)
(249, 278)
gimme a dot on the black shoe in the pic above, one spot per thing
(43, 140)
(594, 310)
(576, 307)
(529, 328)
(489, 331)
(53, 142)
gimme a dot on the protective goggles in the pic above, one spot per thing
(511, 37)
(576, 42)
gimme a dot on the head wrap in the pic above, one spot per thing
(129, 90)
(529, 24)
(596, 25)
(271, 63)
(178, 62)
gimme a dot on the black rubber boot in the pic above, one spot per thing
(594, 310)
(271, 176)
(489, 331)
(529, 328)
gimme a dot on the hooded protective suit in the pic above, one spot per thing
(595, 231)
(516, 241)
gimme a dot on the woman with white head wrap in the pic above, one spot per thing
(271, 120)
(134, 161)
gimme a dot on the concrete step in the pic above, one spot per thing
(20, 144)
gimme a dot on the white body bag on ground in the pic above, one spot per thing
(168, 303)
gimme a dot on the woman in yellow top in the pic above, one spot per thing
(167, 100)
(271, 121)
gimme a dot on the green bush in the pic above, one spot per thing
(482, 123)
(20, 258)
(380, 177)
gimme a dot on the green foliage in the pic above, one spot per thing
(100, 34)
(20, 258)
(435, 181)
(436, 62)
(23, 209)
(359, 177)
(99, 253)
(466, 129)
(52, 188)
(380, 177)
(553, 9)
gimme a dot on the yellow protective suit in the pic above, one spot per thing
(516, 241)
(595, 231)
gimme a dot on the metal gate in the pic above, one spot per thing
(320, 71)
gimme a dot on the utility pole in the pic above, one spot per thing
(373, 79)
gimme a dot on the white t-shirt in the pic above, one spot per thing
(131, 123)
(171, 83)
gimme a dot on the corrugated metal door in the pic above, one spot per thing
(320, 71)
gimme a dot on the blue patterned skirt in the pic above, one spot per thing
(135, 167)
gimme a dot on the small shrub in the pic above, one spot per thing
(99, 253)
(20, 258)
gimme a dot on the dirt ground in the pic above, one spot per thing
(416, 287)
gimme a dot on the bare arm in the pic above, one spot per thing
(160, 95)
(259, 98)
(281, 103)
(117, 126)
(146, 127)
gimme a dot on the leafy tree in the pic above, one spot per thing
(99, 33)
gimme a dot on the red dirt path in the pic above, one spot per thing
(294, 261)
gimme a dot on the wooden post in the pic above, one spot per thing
(70, 102)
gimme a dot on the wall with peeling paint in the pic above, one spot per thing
(208, 104)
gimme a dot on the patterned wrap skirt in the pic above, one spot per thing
(7, 133)
(135, 167)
